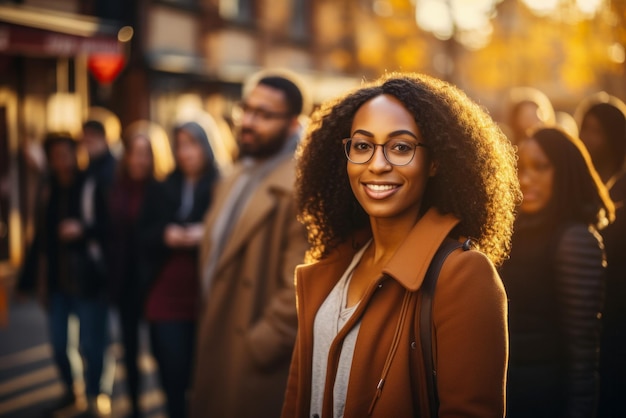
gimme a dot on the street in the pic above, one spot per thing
(29, 382)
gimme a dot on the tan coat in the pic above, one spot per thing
(248, 324)
(470, 322)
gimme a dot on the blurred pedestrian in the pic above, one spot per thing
(555, 280)
(59, 266)
(388, 173)
(134, 177)
(98, 179)
(251, 247)
(528, 109)
(603, 131)
(171, 230)
(102, 163)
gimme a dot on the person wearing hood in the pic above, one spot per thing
(170, 231)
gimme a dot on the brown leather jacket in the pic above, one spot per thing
(470, 333)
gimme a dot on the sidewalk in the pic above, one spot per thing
(29, 382)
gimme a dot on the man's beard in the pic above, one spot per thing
(263, 149)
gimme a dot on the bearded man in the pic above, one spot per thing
(251, 247)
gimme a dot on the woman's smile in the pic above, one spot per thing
(380, 190)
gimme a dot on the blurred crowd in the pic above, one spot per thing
(205, 257)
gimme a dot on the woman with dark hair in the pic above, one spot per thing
(555, 280)
(171, 230)
(126, 198)
(603, 131)
(387, 174)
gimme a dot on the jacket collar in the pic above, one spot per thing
(420, 246)
(260, 205)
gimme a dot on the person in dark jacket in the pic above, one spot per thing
(134, 178)
(555, 280)
(59, 267)
(98, 179)
(603, 131)
(102, 163)
(171, 230)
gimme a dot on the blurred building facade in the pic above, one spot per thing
(62, 61)
(120, 61)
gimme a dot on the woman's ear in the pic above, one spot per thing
(432, 170)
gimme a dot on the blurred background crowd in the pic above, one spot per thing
(128, 92)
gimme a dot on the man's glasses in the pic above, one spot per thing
(397, 151)
(244, 109)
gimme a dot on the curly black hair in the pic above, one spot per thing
(476, 178)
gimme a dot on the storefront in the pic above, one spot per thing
(46, 59)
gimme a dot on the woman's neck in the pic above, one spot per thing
(388, 235)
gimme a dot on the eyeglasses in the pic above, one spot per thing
(397, 152)
(257, 112)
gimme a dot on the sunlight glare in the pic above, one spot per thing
(471, 14)
(617, 53)
(589, 7)
(434, 16)
(542, 7)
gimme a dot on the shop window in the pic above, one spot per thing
(10, 218)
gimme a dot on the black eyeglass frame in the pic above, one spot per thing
(242, 108)
(346, 142)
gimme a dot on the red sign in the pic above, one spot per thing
(106, 67)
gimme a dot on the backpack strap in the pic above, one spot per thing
(425, 318)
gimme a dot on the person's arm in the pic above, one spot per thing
(580, 293)
(31, 268)
(471, 344)
(272, 337)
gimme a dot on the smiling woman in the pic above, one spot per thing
(387, 174)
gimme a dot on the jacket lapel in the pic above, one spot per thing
(317, 280)
(420, 245)
(221, 196)
(258, 207)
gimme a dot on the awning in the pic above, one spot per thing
(35, 31)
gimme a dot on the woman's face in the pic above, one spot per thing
(189, 154)
(593, 136)
(385, 190)
(139, 160)
(527, 117)
(536, 176)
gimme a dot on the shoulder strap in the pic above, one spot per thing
(425, 318)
